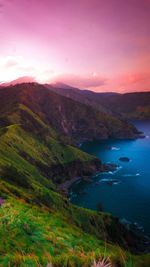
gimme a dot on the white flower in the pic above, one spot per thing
(105, 262)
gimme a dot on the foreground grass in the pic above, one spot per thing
(33, 236)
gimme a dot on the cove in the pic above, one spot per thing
(126, 192)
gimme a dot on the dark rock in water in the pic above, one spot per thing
(124, 159)
(141, 136)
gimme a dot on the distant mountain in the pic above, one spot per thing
(24, 79)
(82, 96)
(128, 106)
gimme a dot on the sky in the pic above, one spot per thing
(101, 45)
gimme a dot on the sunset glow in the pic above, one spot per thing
(93, 44)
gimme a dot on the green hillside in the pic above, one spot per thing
(35, 236)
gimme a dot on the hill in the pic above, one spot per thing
(83, 96)
(127, 106)
(38, 225)
(68, 117)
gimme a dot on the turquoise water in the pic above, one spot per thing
(126, 192)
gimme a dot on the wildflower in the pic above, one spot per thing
(104, 262)
(1, 201)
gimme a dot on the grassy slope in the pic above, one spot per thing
(33, 236)
(37, 225)
(26, 149)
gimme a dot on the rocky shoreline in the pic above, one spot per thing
(65, 186)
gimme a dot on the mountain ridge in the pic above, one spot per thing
(65, 111)
(132, 105)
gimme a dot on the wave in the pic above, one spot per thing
(128, 175)
(115, 148)
(131, 174)
(110, 181)
(132, 225)
(97, 174)
(117, 169)
(110, 172)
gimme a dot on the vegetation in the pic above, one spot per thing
(38, 226)
(34, 236)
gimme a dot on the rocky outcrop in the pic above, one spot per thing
(62, 172)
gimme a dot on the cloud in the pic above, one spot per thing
(130, 82)
(12, 67)
(10, 62)
(85, 81)
(25, 79)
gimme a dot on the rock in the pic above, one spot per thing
(124, 159)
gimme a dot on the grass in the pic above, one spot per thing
(33, 236)
(28, 155)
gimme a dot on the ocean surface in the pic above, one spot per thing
(126, 192)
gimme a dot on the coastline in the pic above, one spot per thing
(64, 187)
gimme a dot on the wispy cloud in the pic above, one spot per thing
(11, 68)
(82, 81)
(130, 82)
(9, 62)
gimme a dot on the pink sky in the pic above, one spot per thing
(103, 45)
